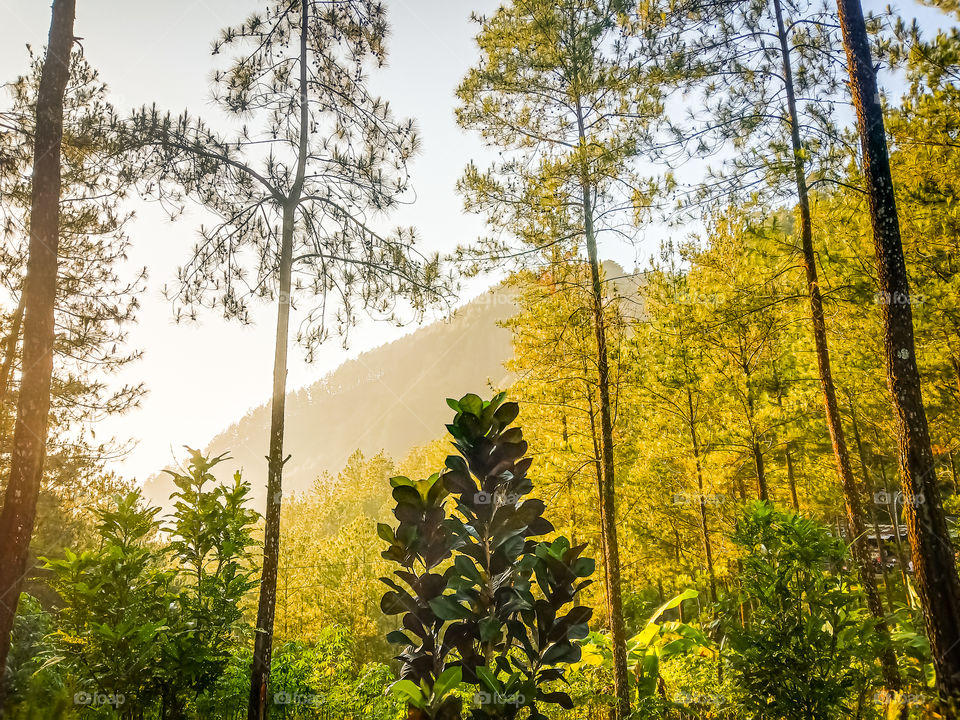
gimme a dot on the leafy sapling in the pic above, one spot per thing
(494, 617)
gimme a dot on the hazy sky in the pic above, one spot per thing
(202, 377)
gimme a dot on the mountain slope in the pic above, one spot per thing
(391, 398)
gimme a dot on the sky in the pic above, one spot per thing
(204, 376)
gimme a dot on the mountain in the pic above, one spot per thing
(391, 398)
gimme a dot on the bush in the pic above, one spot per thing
(806, 652)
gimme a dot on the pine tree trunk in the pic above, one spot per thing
(762, 492)
(934, 567)
(868, 483)
(704, 528)
(40, 290)
(263, 646)
(791, 478)
(257, 707)
(851, 492)
(10, 350)
(608, 489)
(598, 470)
(953, 470)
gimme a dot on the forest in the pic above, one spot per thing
(720, 484)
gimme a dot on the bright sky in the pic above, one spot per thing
(202, 377)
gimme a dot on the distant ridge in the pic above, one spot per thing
(391, 398)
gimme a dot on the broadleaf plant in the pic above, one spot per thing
(483, 603)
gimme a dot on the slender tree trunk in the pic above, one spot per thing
(704, 528)
(934, 567)
(868, 483)
(762, 492)
(791, 478)
(608, 489)
(851, 493)
(953, 469)
(260, 673)
(598, 469)
(571, 499)
(39, 293)
(10, 350)
(257, 708)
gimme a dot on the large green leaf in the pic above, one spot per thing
(472, 404)
(408, 691)
(447, 608)
(447, 680)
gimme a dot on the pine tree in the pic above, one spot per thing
(40, 291)
(751, 88)
(934, 564)
(300, 193)
(556, 89)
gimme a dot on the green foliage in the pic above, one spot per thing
(210, 537)
(657, 642)
(329, 561)
(492, 618)
(32, 685)
(149, 624)
(109, 632)
(806, 651)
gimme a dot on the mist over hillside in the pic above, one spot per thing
(391, 398)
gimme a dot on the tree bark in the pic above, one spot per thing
(953, 470)
(791, 478)
(257, 708)
(33, 407)
(10, 350)
(704, 528)
(851, 492)
(934, 567)
(868, 483)
(788, 458)
(762, 492)
(608, 488)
